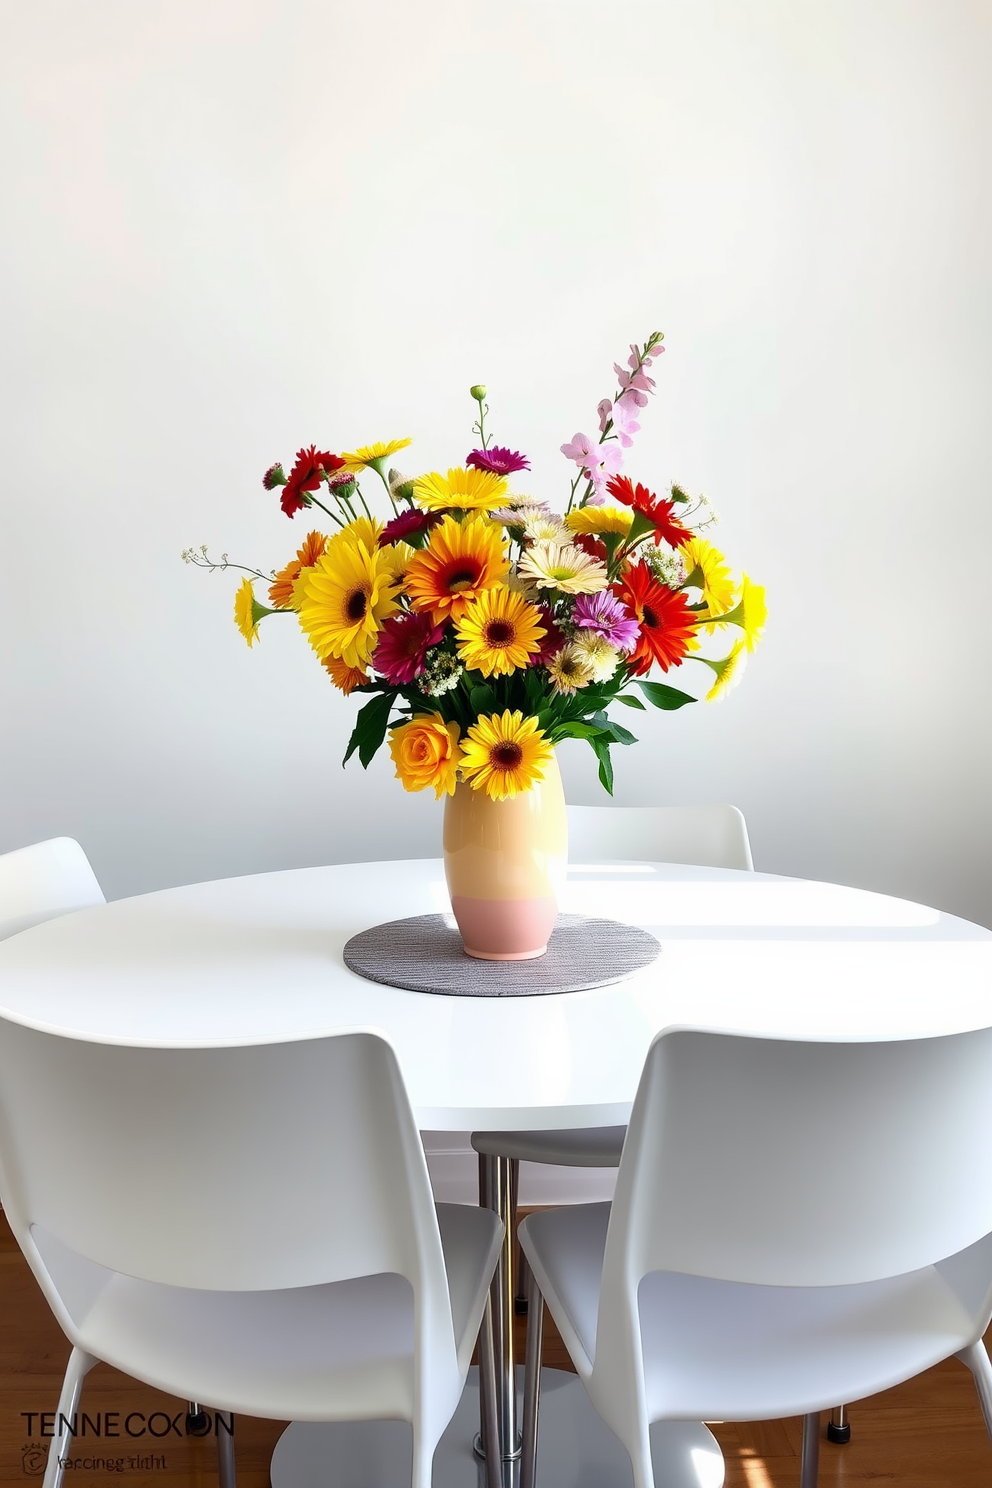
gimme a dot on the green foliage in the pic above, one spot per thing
(370, 728)
(663, 696)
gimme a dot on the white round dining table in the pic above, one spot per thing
(259, 958)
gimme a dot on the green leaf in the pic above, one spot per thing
(663, 696)
(370, 728)
(574, 728)
(483, 699)
(629, 701)
(601, 749)
(614, 731)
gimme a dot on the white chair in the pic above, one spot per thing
(726, 1281)
(43, 881)
(263, 1233)
(707, 836)
(39, 883)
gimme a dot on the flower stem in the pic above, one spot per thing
(326, 509)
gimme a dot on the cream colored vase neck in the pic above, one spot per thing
(505, 863)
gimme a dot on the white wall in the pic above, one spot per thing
(234, 228)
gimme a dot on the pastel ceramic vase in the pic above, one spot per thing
(505, 862)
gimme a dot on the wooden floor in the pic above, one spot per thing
(925, 1434)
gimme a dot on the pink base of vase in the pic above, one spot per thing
(504, 929)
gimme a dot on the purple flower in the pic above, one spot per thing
(604, 614)
(604, 409)
(499, 460)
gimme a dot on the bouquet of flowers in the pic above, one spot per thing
(484, 625)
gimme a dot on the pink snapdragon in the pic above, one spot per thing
(625, 423)
(598, 462)
(618, 420)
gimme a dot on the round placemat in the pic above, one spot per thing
(424, 954)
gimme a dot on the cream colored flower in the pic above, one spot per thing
(594, 651)
(555, 566)
(543, 528)
(568, 671)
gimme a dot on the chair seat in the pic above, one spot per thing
(718, 1349)
(313, 1353)
(581, 1147)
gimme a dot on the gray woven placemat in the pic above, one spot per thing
(423, 954)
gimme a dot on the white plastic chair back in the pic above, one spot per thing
(710, 836)
(721, 1177)
(721, 1174)
(235, 1169)
(43, 881)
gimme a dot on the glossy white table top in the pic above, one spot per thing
(259, 958)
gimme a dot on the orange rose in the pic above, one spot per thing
(425, 752)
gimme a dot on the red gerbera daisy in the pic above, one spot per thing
(409, 524)
(402, 648)
(552, 640)
(667, 629)
(592, 545)
(657, 509)
(306, 475)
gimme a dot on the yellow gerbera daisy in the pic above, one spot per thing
(282, 589)
(505, 754)
(463, 489)
(248, 612)
(460, 560)
(554, 566)
(400, 555)
(569, 670)
(708, 571)
(343, 600)
(729, 671)
(425, 753)
(363, 529)
(750, 612)
(599, 519)
(372, 455)
(499, 632)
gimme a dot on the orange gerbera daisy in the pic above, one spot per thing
(342, 675)
(667, 625)
(460, 561)
(281, 590)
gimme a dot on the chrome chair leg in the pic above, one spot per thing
(839, 1427)
(487, 1400)
(811, 1451)
(494, 1190)
(225, 1449)
(520, 1268)
(532, 1384)
(197, 1420)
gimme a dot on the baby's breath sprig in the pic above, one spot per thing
(694, 506)
(200, 558)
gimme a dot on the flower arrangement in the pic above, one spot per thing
(483, 625)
